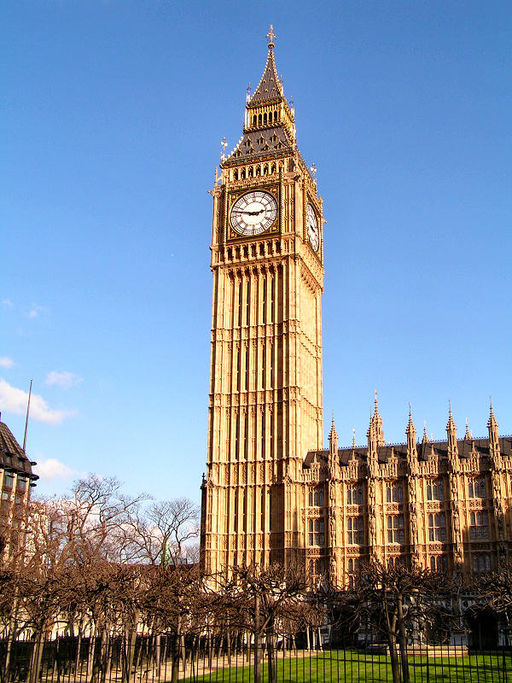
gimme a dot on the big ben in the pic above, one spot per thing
(265, 395)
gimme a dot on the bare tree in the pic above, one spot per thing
(160, 533)
(395, 601)
(494, 591)
(260, 601)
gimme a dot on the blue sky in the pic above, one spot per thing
(112, 115)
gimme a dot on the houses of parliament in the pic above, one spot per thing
(272, 493)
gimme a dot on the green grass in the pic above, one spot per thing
(355, 667)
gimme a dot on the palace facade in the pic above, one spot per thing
(271, 492)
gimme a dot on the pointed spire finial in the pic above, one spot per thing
(451, 423)
(468, 436)
(492, 422)
(425, 435)
(333, 437)
(410, 424)
(354, 438)
(271, 35)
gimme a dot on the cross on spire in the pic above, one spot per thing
(271, 35)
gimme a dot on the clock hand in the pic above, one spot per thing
(249, 213)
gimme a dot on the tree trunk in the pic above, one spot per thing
(270, 656)
(402, 638)
(37, 656)
(10, 639)
(257, 654)
(90, 657)
(78, 648)
(175, 657)
(393, 653)
(128, 655)
(158, 656)
(210, 649)
(228, 647)
(103, 658)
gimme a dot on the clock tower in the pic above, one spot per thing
(265, 405)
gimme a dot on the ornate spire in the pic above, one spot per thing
(451, 424)
(468, 436)
(425, 435)
(492, 423)
(269, 125)
(411, 429)
(411, 437)
(451, 430)
(377, 423)
(270, 87)
(492, 426)
(354, 439)
(426, 448)
(333, 436)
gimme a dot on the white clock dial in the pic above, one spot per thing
(253, 213)
(312, 226)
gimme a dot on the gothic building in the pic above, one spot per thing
(16, 478)
(271, 492)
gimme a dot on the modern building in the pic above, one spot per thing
(271, 492)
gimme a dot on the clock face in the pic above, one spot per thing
(312, 226)
(253, 213)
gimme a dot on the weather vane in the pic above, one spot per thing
(223, 144)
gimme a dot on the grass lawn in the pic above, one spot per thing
(357, 667)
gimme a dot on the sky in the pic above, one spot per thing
(113, 112)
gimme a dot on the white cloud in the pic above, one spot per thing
(36, 310)
(51, 468)
(7, 302)
(6, 362)
(64, 380)
(14, 400)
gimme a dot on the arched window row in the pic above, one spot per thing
(268, 248)
(254, 171)
(265, 118)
